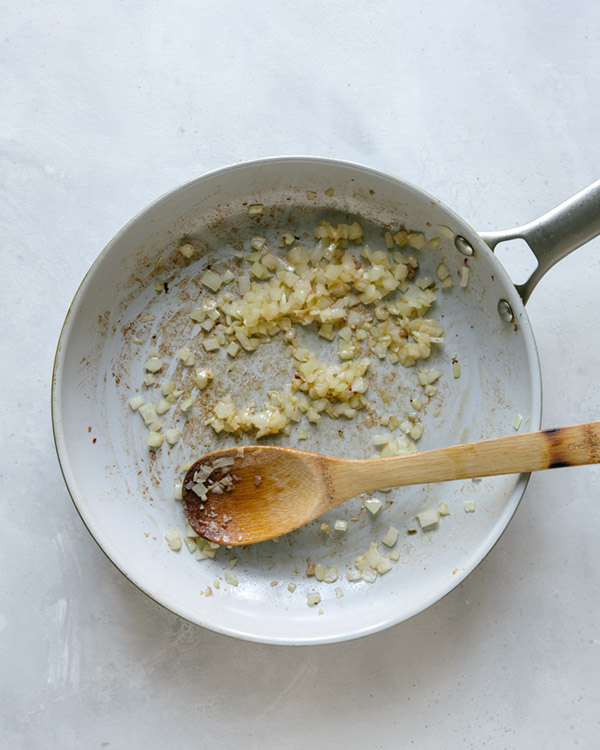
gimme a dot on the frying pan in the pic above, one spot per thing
(123, 491)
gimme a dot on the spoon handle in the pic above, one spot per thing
(546, 449)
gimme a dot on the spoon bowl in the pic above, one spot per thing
(275, 490)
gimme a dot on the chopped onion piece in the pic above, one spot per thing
(177, 489)
(340, 525)
(447, 232)
(201, 378)
(291, 587)
(233, 349)
(172, 435)
(231, 578)
(395, 555)
(173, 539)
(428, 519)
(190, 543)
(212, 281)
(221, 463)
(186, 404)
(442, 272)
(257, 243)
(353, 575)
(456, 370)
(428, 376)
(255, 209)
(331, 575)
(211, 344)
(470, 506)
(167, 387)
(155, 439)
(390, 537)
(444, 509)
(162, 406)
(368, 574)
(464, 276)
(187, 250)
(372, 504)
(313, 598)
(153, 364)
(383, 566)
(148, 413)
(136, 401)
(516, 423)
(325, 528)
(186, 357)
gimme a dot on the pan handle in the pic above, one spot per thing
(555, 234)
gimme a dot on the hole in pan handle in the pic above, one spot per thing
(555, 234)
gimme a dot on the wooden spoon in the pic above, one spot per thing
(269, 491)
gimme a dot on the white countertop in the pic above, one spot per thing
(492, 107)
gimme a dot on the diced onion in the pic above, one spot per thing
(428, 519)
(172, 435)
(442, 272)
(186, 404)
(153, 364)
(212, 281)
(447, 232)
(155, 439)
(331, 575)
(390, 537)
(187, 250)
(162, 406)
(148, 413)
(372, 504)
(173, 539)
(167, 387)
(136, 401)
(201, 378)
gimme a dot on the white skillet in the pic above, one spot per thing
(125, 497)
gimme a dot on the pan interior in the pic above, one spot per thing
(124, 492)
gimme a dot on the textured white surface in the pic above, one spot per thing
(492, 107)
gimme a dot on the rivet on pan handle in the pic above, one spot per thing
(555, 234)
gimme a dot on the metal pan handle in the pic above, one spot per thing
(555, 234)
